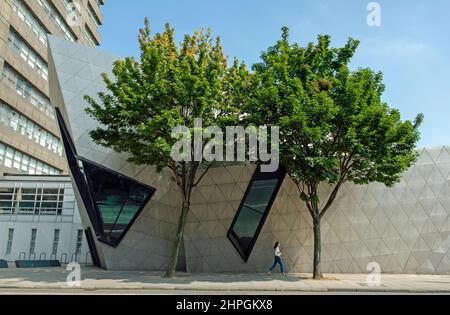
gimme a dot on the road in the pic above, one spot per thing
(6, 292)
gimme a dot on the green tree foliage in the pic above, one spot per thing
(335, 128)
(169, 86)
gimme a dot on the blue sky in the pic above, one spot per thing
(411, 48)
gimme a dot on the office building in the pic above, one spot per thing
(29, 136)
(30, 143)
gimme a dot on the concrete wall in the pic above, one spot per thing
(44, 241)
(68, 222)
(406, 229)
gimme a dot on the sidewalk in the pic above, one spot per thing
(96, 279)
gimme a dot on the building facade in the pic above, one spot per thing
(238, 213)
(39, 220)
(29, 136)
(30, 143)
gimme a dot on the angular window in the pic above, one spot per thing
(254, 210)
(118, 199)
(113, 201)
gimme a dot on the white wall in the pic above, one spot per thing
(69, 223)
(44, 240)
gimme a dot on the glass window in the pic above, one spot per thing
(79, 243)
(30, 21)
(10, 241)
(57, 19)
(26, 90)
(32, 250)
(22, 49)
(90, 38)
(112, 201)
(254, 210)
(12, 158)
(55, 242)
(117, 199)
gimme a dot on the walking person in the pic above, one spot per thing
(278, 260)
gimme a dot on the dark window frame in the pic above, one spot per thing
(92, 248)
(116, 241)
(280, 174)
(84, 187)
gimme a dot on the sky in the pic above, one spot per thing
(411, 46)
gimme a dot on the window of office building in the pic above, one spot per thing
(254, 210)
(90, 38)
(27, 91)
(55, 242)
(79, 243)
(41, 201)
(32, 250)
(12, 158)
(27, 54)
(10, 241)
(27, 128)
(7, 200)
(30, 21)
(57, 19)
(92, 15)
(34, 201)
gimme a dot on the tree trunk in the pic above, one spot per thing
(171, 268)
(317, 273)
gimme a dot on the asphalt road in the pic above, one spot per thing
(6, 292)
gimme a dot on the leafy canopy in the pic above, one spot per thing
(334, 125)
(168, 86)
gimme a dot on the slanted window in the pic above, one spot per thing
(118, 199)
(254, 209)
(113, 201)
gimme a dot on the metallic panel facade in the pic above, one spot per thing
(406, 229)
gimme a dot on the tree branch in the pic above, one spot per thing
(302, 191)
(345, 167)
(203, 175)
(331, 199)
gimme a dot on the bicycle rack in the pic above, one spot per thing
(65, 258)
(76, 257)
(32, 255)
(24, 256)
(43, 254)
(53, 255)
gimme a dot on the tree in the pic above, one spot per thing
(334, 126)
(168, 87)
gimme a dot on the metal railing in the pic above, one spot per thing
(75, 257)
(45, 214)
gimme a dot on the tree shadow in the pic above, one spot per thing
(55, 276)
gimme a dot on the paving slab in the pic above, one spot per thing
(98, 279)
